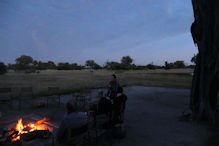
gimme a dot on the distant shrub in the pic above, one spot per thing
(179, 64)
(92, 64)
(24, 62)
(169, 65)
(139, 67)
(126, 62)
(3, 68)
(175, 65)
(67, 66)
(150, 66)
(45, 65)
(113, 65)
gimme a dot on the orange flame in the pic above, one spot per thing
(20, 127)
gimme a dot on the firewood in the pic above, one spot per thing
(35, 134)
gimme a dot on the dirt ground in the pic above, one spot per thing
(151, 118)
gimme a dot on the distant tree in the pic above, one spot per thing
(151, 66)
(113, 65)
(92, 64)
(179, 64)
(126, 62)
(51, 65)
(176, 64)
(41, 65)
(167, 65)
(12, 66)
(35, 63)
(45, 65)
(68, 66)
(97, 66)
(3, 68)
(24, 62)
(64, 66)
(139, 67)
(75, 66)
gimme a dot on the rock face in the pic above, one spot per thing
(205, 33)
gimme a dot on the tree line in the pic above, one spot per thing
(28, 64)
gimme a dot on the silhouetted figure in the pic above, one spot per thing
(104, 104)
(72, 120)
(119, 103)
(112, 87)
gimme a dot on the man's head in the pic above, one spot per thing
(71, 106)
(113, 77)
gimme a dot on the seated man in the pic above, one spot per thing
(104, 104)
(72, 120)
(119, 105)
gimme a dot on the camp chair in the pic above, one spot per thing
(122, 112)
(76, 135)
(118, 128)
(100, 126)
(87, 94)
(26, 93)
(5, 95)
(81, 102)
(54, 93)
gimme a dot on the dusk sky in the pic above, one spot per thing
(103, 30)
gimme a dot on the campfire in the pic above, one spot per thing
(25, 131)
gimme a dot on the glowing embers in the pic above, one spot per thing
(39, 129)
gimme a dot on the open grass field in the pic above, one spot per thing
(74, 80)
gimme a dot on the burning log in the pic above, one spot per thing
(35, 134)
(12, 136)
(29, 131)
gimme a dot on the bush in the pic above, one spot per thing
(179, 64)
(24, 62)
(126, 62)
(151, 66)
(3, 68)
(67, 66)
(176, 64)
(113, 65)
(45, 65)
(92, 64)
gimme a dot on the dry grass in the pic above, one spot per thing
(70, 81)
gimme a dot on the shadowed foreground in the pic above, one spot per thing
(151, 118)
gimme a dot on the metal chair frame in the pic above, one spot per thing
(53, 92)
(26, 92)
(9, 92)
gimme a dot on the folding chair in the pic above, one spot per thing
(76, 136)
(53, 92)
(81, 102)
(5, 95)
(25, 93)
(87, 94)
(118, 128)
(100, 126)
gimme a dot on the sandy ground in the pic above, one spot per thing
(151, 118)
